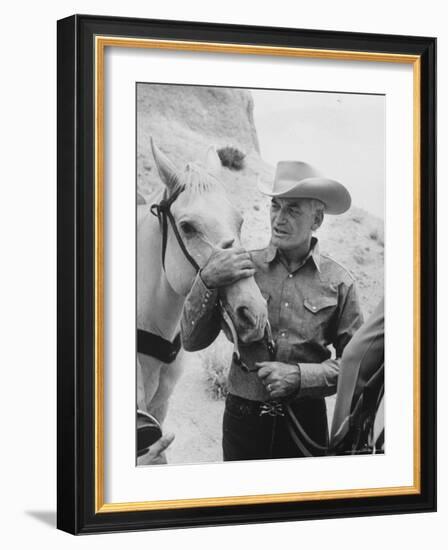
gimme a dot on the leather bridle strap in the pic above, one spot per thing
(163, 213)
(149, 343)
(301, 438)
(153, 345)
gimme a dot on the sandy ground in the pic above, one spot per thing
(195, 417)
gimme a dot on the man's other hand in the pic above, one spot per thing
(279, 379)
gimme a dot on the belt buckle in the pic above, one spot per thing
(272, 408)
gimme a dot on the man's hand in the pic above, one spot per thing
(155, 454)
(226, 266)
(279, 379)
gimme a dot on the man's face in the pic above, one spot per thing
(292, 222)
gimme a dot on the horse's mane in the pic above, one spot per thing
(196, 179)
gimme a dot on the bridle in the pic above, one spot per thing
(162, 211)
(149, 343)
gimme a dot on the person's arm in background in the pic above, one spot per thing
(201, 318)
(155, 453)
(363, 356)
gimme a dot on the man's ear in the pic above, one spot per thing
(318, 219)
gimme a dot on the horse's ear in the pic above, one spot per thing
(212, 161)
(167, 171)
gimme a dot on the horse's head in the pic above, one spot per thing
(206, 220)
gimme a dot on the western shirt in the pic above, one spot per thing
(310, 309)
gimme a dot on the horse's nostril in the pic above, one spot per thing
(245, 316)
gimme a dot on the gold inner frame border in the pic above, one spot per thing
(101, 42)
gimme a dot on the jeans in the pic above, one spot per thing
(247, 435)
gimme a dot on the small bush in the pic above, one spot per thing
(376, 236)
(359, 256)
(216, 360)
(231, 158)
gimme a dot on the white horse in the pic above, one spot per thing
(205, 220)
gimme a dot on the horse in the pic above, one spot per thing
(192, 217)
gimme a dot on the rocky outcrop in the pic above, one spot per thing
(185, 120)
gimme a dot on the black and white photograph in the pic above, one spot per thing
(260, 251)
(246, 274)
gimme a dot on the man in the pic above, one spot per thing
(312, 303)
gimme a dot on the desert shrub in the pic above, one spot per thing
(231, 158)
(216, 360)
(359, 255)
(375, 235)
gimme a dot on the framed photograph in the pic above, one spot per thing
(246, 274)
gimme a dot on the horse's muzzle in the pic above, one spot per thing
(247, 309)
(249, 326)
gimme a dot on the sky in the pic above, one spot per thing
(342, 135)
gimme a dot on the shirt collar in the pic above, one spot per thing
(314, 253)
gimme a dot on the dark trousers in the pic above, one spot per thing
(247, 435)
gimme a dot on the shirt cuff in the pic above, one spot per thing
(203, 296)
(318, 379)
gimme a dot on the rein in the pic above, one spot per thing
(307, 445)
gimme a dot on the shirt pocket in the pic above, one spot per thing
(318, 315)
(319, 303)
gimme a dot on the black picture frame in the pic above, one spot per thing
(76, 510)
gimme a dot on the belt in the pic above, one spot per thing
(248, 407)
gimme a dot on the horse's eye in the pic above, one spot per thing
(187, 228)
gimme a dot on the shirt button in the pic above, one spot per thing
(290, 276)
(314, 308)
(283, 333)
(286, 304)
(192, 322)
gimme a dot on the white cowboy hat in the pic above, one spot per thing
(299, 180)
